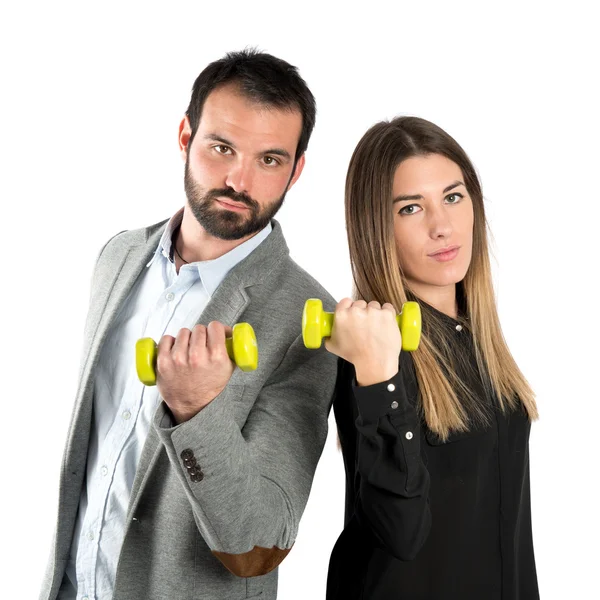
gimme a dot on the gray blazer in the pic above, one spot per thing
(257, 443)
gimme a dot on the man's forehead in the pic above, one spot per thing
(226, 109)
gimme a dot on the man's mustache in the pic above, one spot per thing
(240, 197)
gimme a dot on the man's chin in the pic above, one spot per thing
(229, 231)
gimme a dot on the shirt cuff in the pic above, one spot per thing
(380, 399)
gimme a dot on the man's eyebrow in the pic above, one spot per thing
(419, 197)
(218, 138)
(276, 151)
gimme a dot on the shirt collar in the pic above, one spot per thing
(211, 272)
(165, 245)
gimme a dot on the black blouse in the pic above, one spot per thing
(427, 519)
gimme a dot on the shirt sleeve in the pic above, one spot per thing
(393, 484)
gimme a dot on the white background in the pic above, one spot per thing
(91, 98)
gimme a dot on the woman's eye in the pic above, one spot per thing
(411, 209)
(454, 198)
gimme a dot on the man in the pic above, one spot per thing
(195, 488)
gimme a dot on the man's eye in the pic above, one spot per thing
(222, 149)
(269, 160)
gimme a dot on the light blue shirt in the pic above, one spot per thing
(161, 302)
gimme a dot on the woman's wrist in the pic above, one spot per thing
(369, 374)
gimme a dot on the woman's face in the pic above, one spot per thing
(432, 212)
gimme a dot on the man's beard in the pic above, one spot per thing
(227, 224)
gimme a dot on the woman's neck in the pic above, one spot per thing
(441, 298)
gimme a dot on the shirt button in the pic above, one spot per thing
(85, 598)
(91, 535)
(104, 470)
(459, 328)
(391, 387)
(394, 404)
(126, 414)
(170, 296)
(409, 435)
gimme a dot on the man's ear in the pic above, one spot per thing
(297, 171)
(185, 133)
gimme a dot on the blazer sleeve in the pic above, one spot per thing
(248, 488)
(392, 482)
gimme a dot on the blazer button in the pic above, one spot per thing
(187, 454)
(190, 462)
(196, 475)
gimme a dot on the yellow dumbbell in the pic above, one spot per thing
(317, 324)
(241, 347)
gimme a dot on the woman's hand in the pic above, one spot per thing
(368, 336)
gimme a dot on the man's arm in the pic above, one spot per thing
(248, 488)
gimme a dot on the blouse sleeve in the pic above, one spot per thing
(392, 498)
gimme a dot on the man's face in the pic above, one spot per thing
(240, 163)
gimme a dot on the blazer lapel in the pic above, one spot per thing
(118, 273)
(124, 267)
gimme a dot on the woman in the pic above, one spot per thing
(435, 443)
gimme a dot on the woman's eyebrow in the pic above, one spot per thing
(452, 186)
(419, 197)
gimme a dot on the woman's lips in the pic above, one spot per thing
(447, 255)
(232, 206)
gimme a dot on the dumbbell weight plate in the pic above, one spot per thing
(241, 348)
(145, 360)
(409, 321)
(244, 349)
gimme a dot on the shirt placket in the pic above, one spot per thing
(168, 301)
(112, 447)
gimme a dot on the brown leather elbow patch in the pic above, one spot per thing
(259, 561)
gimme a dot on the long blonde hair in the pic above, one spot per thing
(378, 276)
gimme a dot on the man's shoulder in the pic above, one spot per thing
(297, 281)
(131, 236)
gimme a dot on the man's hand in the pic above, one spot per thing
(193, 368)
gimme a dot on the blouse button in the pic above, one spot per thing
(391, 387)
(459, 328)
(394, 404)
(409, 435)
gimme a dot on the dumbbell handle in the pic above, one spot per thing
(318, 324)
(241, 349)
(328, 318)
